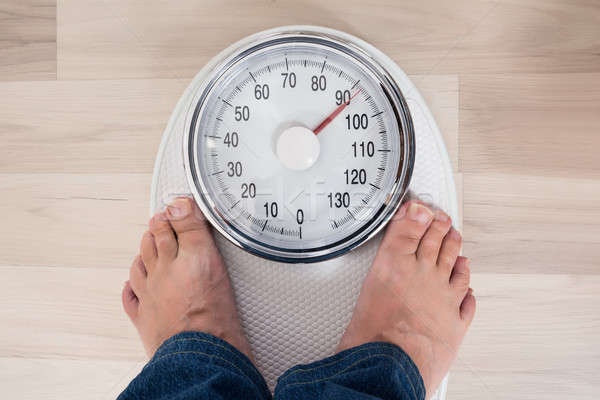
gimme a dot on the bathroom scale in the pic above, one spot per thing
(298, 144)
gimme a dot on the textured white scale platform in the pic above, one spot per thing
(296, 313)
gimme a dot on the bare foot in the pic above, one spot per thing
(179, 282)
(416, 294)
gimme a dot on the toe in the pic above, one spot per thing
(467, 307)
(461, 277)
(189, 224)
(449, 251)
(130, 301)
(429, 247)
(148, 250)
(164, 237)
(185, 216)
(408, 227)
(137, 276)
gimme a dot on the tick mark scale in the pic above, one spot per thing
(315, 107)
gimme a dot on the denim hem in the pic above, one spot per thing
(353, 360)
(210, 347)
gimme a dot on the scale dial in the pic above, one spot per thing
(300, 146)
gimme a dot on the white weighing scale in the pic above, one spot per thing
(298, 144)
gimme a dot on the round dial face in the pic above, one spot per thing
(298, 149)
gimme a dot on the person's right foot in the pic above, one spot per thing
(179, 282)
(417, 293)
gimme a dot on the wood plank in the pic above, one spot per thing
(77, 220)
(520, 346)
(116, 126)
(84, 126)
(530, 124)
(39, 379)
(532, 224)
(66, 313)
(113, 39)
(167, 39)
(534, 337)
(27, 39)
(529, 36)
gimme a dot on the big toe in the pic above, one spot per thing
(408, 226)
(429, 247)
(189, 224)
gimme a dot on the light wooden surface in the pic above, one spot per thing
(87, 86)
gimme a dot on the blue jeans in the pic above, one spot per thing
(195, 365)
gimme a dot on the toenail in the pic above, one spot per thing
(157, 218)
(420, 213)
(160, 217)
(455, 234)
(442, 216)
(179, 208)
(401, 212)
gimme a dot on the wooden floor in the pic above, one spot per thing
(87, 86)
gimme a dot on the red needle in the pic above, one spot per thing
(334, 114)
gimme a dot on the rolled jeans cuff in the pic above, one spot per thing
(378, 369)
(211, 350)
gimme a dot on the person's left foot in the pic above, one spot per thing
(179, 282)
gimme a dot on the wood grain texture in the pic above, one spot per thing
(535, 336)
(136, 39)
(113, 38)
(69, 313)
(529, 36)
(116, 125)
(539, 124)
(84, 126)
(513, 85)
(66, 379)
(27, 39)
(75, 220)
(532, 224)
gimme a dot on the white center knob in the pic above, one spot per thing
(298, 148)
